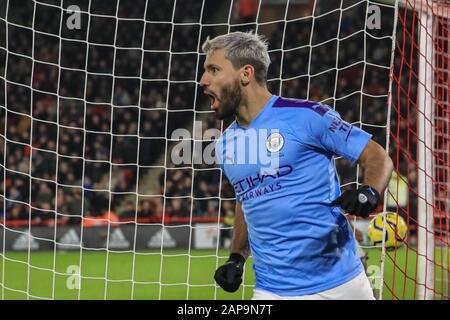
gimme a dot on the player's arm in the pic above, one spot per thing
(377, 166)
(327, 131)
(229, 275)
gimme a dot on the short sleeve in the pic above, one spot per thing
(329, 132)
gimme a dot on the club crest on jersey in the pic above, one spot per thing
(275, 142)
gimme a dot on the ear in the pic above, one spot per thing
(247, 74)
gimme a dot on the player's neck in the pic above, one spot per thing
(253, 102)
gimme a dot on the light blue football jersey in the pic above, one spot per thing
(300, 244)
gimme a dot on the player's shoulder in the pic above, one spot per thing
(302, 115)
(291, 107)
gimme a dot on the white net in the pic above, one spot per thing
(94, 203)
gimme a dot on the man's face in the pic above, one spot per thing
(220, 82)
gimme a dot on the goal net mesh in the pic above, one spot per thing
(94, 203)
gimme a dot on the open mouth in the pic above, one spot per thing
(212, 98)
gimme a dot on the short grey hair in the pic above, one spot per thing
(242, 48)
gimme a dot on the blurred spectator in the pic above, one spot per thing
(129, 211)
(44, 198)
(247, 10)
(178, 208)
(146, 210)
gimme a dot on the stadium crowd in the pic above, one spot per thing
(97, 109)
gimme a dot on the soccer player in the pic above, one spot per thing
(288, 213)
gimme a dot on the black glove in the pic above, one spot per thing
(229, 275)
(361, 202)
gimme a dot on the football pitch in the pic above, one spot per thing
(145, 275)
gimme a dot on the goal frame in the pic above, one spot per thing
(427, 11)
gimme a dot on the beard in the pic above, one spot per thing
(231, 99)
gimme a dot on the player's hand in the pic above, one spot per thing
(361, 202)
(229, 275)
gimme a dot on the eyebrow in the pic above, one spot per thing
(210, 65)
